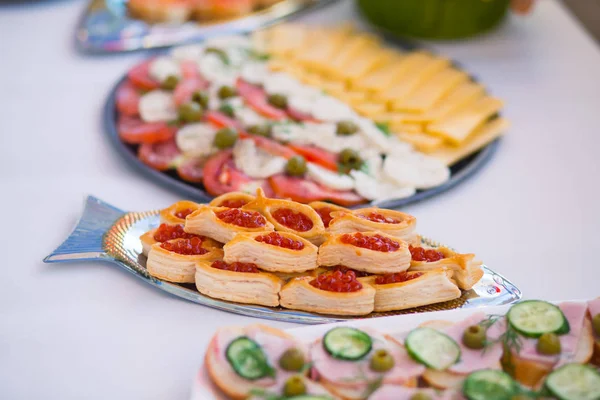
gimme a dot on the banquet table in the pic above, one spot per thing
(93, 331)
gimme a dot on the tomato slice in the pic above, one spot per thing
(305, 191)
(317, 155)
(271, 146)
(186, 88)
(128, 99)
(133, 130)
(140, 77)
(221, 120)
(300, 116)
(191, 170)
(257, 99)
(160, 156)
(221, 176)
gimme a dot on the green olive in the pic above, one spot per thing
(292, 360)
(381, 361)
(170, 83)
(548, 344)
(346, 128)
(420, 396)
(277, 100)
(227, 110)
(226, 92)
(201, 98)
(190, 112)
(225, 138)
(260, 130)
(296, 166)
(294, 386)
(596, 323)
(349, 158)
(474, 337)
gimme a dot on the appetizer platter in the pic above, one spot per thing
(125, 25)
(278, 259)
(533, 349)
(237, 113)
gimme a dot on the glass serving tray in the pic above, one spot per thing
(106, 233)
(107, 27)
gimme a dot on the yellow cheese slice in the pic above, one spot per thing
(370, 59)
(458, 127)
(425, 95)
(371, 110)
(390, 72)
(285, 39)
(333, 88)
(350, 51)
(324, 45)
(484, 135)
(457, 99)
(408, 127)
(421, 141)
(413, 78)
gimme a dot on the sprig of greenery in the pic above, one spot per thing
(510, 339)
(384, 127)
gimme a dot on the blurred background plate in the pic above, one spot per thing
(107, 26)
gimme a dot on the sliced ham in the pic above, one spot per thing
(394, 392)
(357, 374)
(575, 314)
(594, 307)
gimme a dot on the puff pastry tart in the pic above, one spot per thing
(175, 260)
(223, 223)
(232, 200)
(169, 232)
(239, 282)
(325, 209)
(393, 223)
(408, 289)
(289, 216)
(466, 271)
(177, 213)
(372, 252)
(242, 360)
(273, 251)
(330, 293)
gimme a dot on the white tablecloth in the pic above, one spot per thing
(90, 330)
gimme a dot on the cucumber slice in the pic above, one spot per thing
(574, 382)
(432, 348)
(247, 359)
(348, 344)
(533, 318)
(489, 384)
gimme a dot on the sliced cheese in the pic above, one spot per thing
(323, 47)
(351, 50)
(483, 136)
(408, 127)
(431, 91)
(421, 141)
(371, 110)
(370, 59)
(329, 178)
(460, 97)
(390, 72)
(285, 39)
(413, 78)
(458, 127)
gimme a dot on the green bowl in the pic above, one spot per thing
(434, 19)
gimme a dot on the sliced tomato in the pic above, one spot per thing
(186, 88)
(305, 191)
(300, 116)
(133, 130)
(128, 99)
(160, 156)
(271, 146)
(317, 155)
(140, 77)
(222, 121)
(191, 170)
(221, 176)
(256, 98)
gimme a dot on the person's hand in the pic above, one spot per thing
(521, 6)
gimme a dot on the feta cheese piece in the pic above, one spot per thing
(196, 139)
(327, 108)
(255, 73)
(378, 190)
(329, 178)
(212, 68)
(163, 67)
(416, 169)
(254, 162)
(157, 105)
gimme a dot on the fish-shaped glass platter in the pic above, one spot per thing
(107, 27)
(107, 233)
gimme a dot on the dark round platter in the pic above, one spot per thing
(460, 171)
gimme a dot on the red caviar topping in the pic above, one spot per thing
(275, 239)
(375, 242)
(292, 219)
(233, 203)
(427, 255)
(246, 219)
(186, 247)
(169, 232)
(344, 269)
(235, 266)
(325, 214)
(397, 277)
(184, 213)
(337, 281)
(378, 217)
